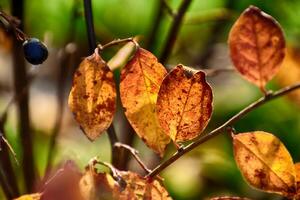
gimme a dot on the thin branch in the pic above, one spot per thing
(134, 153)
(168, 8)
(172, 35)
(215, 72)
(117, 42)
(12, 151)
(21, 81)
(270, 96)
(88, 13)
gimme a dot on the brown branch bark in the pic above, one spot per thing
(270, 96)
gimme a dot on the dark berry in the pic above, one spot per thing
(35, 51)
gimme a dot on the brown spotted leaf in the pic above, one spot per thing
(140, 188)
(94, 186)
(93, 96)
(265, 162)
(184, 104)
(139, 86)
(257, 46)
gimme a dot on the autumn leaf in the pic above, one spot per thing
(184, 104)
(139, 86)
(257, 46)
(265, 162)
(35, 196)
(289, 73)
(93, 96)
(142, 188)
(94, 186)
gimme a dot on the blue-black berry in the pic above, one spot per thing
(35, 51)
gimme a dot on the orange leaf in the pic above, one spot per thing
(257, 46)
(138, 187)
(184, 104)
(93, 96)
(265, 162)
(140, 81)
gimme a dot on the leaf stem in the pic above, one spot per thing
(134, 153)
(223, 127)
(173, 32)
(117, 42)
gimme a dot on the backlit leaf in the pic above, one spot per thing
(140, 82)
(184, 104)
(265, 162)
(141, 188)
(257, 46)
(35, 196)
(93, 96)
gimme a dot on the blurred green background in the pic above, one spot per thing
(209, 170)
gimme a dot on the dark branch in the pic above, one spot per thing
(270, 96)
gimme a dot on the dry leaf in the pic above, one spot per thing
(140, 82)
(93, 96)
(289, 73)
(265, 162)
(140, 188)
(35, 196)
(257, 46)
(94, 186)
(184, 104)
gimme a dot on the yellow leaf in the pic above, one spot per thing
(257, 46)
(265, 162)
(35, 196)
(140, 82)
(140, 188)
(93, 96)
(289, 73)
(184, 104)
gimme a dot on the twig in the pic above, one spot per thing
(134, 153)
(171, 38)
(9, 147)
(222, 128)
(168, 8)
(117, 42)
(88, 13)
(21, 81)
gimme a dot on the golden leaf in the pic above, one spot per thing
(140, 82)
(289, 73)
(35, 196)
(93, 96)
(257, 46)
(140, 188)
(184, 104)
(265, 162)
